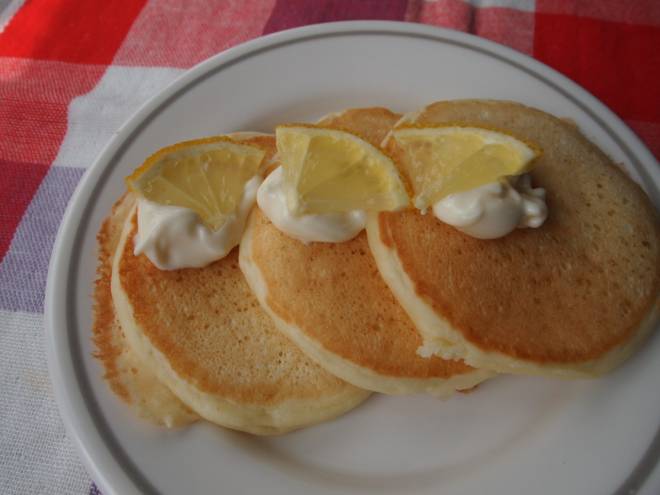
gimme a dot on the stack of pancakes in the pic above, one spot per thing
(281, 334)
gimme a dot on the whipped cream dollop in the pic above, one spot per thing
(173, 237)
(329, 227)
(496, 209)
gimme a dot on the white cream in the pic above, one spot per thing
(330, 227)
(495, 209)
(173, 237)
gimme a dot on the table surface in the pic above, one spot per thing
(72, 72)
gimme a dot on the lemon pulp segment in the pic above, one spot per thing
(208, 176)
(329, 170)
(440, 161)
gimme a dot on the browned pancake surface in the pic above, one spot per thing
(106, 329)
(335, 295)
(372, 124)
(210, 328)
(124, 372)
(567, 292)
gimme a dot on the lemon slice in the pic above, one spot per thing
(206, 175)
(444, 160)
(333, 171)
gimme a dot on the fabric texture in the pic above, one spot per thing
(71, 72)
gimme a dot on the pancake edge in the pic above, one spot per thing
(251, 418)
(441, 339)
(347, 370)
(131, 381)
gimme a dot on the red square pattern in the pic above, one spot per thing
(452, 14)
(293, 13)
(511, 27)
(69, 30)
(18, 183)
(629, 11)
(619, 63)
(170, 33)
(34, 98)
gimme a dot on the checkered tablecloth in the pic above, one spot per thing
(72, 71)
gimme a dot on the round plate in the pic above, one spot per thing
(512, 435)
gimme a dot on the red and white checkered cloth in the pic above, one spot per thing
(72, 71)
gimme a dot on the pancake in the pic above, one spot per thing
(126, 374)
(572, 298)
(331, 301)
(203, 334)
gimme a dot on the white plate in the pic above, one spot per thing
(514, 435)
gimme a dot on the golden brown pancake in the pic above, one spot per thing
(127, 376)
(205, 336)
(330, 299)
(573, 297)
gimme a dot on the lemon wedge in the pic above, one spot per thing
(206, 175)
(334, 171)
(444, 160)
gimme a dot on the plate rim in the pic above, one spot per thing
(99, 451)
